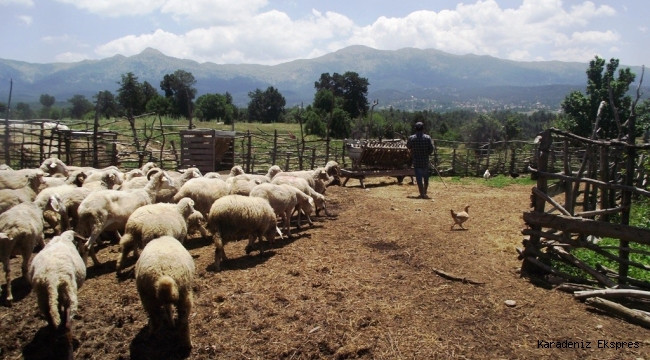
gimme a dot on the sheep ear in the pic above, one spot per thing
(55, 203)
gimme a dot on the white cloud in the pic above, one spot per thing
(643, 28)
(25, 19)
(267, 38)
(239, 32)
(69, 57)
(28, 3)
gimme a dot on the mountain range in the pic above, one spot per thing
(408, 78)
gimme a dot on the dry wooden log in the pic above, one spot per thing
(629, 280)
(550, 200)
(626, 313)
(550, 235)
(455, 278)
(598, 142)
(612, 293)
(588, 227)
(571, 288)
(601, 212)
(549, 175)
(580, 264)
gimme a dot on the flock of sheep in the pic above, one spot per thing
(154, 210)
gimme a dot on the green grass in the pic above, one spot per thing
(499, 181)
(639, 217)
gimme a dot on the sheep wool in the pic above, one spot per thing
(164, 274)
(235, 216)
(56, 273)
(153, 221)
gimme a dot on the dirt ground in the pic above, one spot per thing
(357, 285)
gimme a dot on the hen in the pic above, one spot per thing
(460, 217)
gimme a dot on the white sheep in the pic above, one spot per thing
(203, 191)
(21, 229)
(303, 185)
(56, 274)
(237, 174)
(317, 178)
(153, 221)
(212, 175)
(53, 166)
(96, 177)
(16, 179)
(163, 275)
(12, 197)
(235, 216)
(166, 195)
(109, 210)
(284, 199)
(241, 185)
(73, 198)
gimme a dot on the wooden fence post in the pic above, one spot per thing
(453, 162)
(626, 201)
(286, 166)
(249, 151)
(467, 163)
(313, 157)
(275, 146)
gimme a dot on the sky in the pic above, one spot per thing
(270, 32)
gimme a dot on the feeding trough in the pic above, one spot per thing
(377, 158)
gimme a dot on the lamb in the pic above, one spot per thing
(53, 219)
(139, 182)
(153, 221)
(284, 199)
(235, 216)
(203, 191)
(56, 274)
(109, 210)
(163, 275)
(302, 185)
(21, 229)
(12, 197)
(196, 222)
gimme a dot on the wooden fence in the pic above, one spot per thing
(75, 142)
(582, 201)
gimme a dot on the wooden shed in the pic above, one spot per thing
(207, 149)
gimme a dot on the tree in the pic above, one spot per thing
(179, 88)
(340, 127)
(130, 95)
(482, 130)
(266, 106)
(214, 106)
(107, 106)
(313, 123)
(23, 111)
(350, 87)
(160, 105)
(643, 118)
(47, 101)
(80, 106)
(581, 109)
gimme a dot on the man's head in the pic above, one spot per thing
(419, 126)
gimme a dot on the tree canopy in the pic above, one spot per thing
(266, 106)
(581, 109)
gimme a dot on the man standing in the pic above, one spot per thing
(421, 147)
